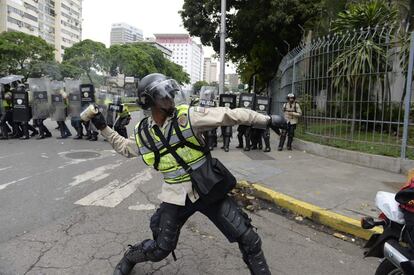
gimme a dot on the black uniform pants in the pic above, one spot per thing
(43, 131)
(230, 219)
(244, 131)
(64, 130)
(6, 117)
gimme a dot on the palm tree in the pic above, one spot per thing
(365, 55)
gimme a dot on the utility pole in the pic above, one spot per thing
(222, 47)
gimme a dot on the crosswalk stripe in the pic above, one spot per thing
(115, 192)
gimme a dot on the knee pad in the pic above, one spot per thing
(250, 243)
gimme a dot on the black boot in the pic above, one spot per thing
(135, 254)
(257, 264)
(289, 143)
(281, 142)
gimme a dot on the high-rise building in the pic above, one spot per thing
(186, 53)
(210, 70)
(59, 22)
(122, 33)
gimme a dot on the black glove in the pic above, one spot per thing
(277, 122)
(99, 121)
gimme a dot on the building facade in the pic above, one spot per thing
(185, 52)
(166, 52)
(58, 22)
(122, 33)
(210, 71)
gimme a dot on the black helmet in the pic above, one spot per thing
(154, 87)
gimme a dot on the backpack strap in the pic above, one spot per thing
(151, 142)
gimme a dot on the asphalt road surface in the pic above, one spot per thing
(72, 207)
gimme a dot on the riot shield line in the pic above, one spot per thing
(21, 108)
(72, 88)
(38, 89)
(58, 97)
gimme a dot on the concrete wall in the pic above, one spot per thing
(390, 164)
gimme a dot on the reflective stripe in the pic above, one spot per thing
(174, 139)
(181, 172)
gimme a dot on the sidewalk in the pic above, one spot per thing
(342, 188)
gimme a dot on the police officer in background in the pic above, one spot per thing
(122, 121)
(170, 141)
(7, 112)
(292, 112)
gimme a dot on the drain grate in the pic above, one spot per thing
(83, 155)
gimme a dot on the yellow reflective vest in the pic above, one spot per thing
(155, 154)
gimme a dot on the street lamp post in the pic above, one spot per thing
(222, 47)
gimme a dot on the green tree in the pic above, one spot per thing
(197, 86)
(259, 32)
(89, 56)
(367, 55)
(21, 53)
(140, 59)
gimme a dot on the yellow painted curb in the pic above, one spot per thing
(333, 220)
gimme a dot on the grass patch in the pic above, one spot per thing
(372, 142)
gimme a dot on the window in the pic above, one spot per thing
(31, 17)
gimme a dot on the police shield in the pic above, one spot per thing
(114, 109)
(21, 109)
(262, 105)
(181, 97)
(208, 96)
(40, 100)
(103, 99)
(228, 100)
(246, 101)
(87, 95)
(72, 88)
(58, 98)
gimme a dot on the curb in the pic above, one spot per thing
(320, 215)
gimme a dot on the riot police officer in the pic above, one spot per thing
(292, 112)
(207, 100)
(7, 113)
(246, 101)
(261, 105)
(228, 101)
(168, 140)
(122, 121)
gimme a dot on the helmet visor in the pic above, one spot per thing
(166, 89)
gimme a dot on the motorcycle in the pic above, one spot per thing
(395, 245)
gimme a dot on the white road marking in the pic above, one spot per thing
(142, 207)
(5, 168)
(11, 155)
(94, 175)
(3, 186)
(115, 192)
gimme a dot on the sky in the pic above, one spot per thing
(151, 16)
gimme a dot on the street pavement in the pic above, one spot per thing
(72, 207)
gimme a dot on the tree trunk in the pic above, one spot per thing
(90, 78)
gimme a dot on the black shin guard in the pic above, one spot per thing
(251, 248)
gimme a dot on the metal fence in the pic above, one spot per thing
(351, 88)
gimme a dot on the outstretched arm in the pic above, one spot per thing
(215, 117)
(124, 146)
